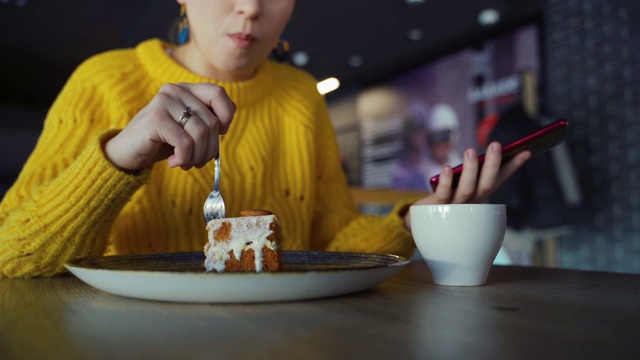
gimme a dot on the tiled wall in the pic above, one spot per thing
(592, 77)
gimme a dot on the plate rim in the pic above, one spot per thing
(331, 282)
(76, 264)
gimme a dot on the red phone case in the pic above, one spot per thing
(536, 142)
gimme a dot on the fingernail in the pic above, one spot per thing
(469, 154)
(495, 148)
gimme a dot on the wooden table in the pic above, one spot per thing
(522, 313)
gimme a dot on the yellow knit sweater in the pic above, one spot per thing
(280, 154)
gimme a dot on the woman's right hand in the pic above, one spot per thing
(154, 133)
(476, 183)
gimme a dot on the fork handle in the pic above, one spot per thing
(216, 181)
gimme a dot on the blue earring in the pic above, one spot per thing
(183, 26)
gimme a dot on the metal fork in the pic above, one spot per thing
(214, 207)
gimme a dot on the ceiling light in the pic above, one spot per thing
(328, 85)
(488, 17)
(356, 61)
(415, 34)
(300, 58)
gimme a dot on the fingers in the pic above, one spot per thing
(203, 127)
(494, 172)
(477, 184)
(466, 187)
(206, 135)
(490, 170)
(468, 179)
(216, 99)
(492, 175)
(156, 132)
(443, 192)
(206, 132)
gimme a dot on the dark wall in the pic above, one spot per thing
(42, 42)
(592, 66)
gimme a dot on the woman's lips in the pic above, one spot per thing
(242, 40)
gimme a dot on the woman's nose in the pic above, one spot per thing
(249, 8)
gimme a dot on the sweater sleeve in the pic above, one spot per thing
(68, 194)
(338, 226)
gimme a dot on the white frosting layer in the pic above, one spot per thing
(249, 232)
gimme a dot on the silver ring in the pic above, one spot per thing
(186, 115)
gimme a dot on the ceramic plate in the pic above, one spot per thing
(180, 277)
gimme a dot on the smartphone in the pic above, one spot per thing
(536, 142)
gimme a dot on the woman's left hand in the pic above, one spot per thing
(473, 187)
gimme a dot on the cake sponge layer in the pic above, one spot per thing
(244, 244)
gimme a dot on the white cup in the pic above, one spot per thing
(459, 241)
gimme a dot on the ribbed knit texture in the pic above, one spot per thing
(280, 154)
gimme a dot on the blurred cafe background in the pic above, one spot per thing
(409, 85)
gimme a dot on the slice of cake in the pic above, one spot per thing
(251, 243)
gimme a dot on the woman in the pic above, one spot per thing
(98, 183)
